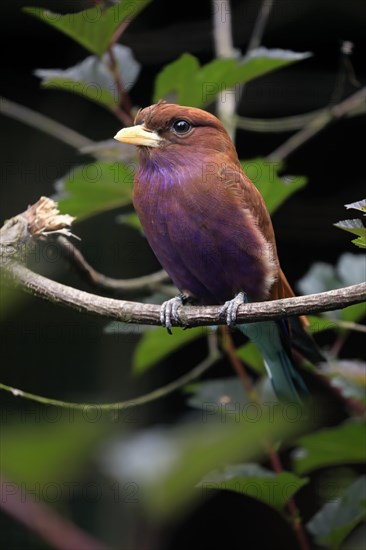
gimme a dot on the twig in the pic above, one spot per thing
(260, 25)
(57, 531)
(45, 124)
(317, 124)
(144, 286)
(163, 391)
(124, 98)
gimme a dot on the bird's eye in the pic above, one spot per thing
(181, 127)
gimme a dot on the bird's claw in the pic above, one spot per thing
(230, 308)
(169, 312)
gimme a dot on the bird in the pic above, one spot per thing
(210, 229)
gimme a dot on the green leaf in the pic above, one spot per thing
(256, 482)
(251, 356)
(157, 344)
(179, 77)
(354, 226)
(330, 447)
(360, 242)
(93, 188)
(353, 313)
(50, 448)
(335, 520)
(92, 77)
(132, 220)
(90, 91)
(320, 324)
(198, 86)
(92, 28)
(167, 463)
(274, 189)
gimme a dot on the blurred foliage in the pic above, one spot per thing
(179, 465)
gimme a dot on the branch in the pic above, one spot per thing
(43, 218)
(57, 531)
(318, 123)
(43, 123)
(144, 285)
(190, 316)
(289, 123)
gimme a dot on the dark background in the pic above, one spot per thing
(65, 355)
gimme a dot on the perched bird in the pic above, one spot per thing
(210, 229)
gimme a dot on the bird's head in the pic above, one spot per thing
(170, 128)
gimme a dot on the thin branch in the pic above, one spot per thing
(224, 48)
(260, 25)
(144, 286)
(289, 123)
(163, 391)
(327, 116)
(190, 316)
(43, 218)
(45, 124)
(57, 531)
(124, 99)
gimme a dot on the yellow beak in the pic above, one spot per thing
(138, 135)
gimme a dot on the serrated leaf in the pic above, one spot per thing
(354, 226)
(331, 446)
(93, 188)
(251, 356)
(359, 205)
(198, 86)
(254, 481)
(156, 345)
(335, 520)
(360, 242)
(92, 28)
(93, 79)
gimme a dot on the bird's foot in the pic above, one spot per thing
(169, 311)
(230, 308)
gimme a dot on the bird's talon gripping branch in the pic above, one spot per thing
(230, 308)
(169, 311)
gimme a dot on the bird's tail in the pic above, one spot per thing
(286, 381)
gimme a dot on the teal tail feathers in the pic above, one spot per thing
(286, 381)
